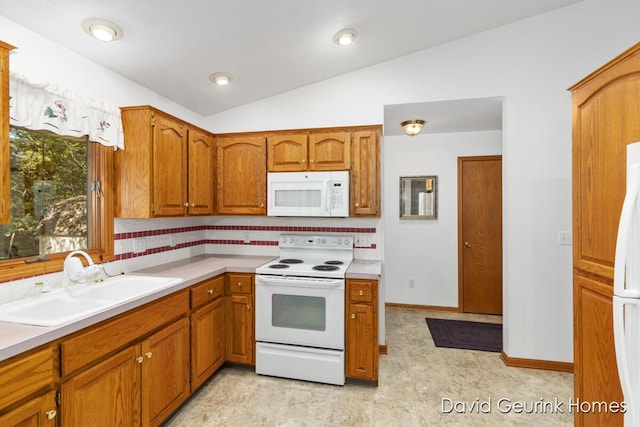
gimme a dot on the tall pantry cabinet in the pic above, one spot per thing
(606, 117)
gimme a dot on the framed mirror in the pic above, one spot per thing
(419, 197)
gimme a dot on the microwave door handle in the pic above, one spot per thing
(328, 196)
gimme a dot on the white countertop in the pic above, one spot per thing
(17, 338)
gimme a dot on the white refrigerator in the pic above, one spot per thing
(626, 291)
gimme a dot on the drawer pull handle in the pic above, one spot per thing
(139, 359)
(148, 354)
(353, 315)
(360, 292)
(51, 414)
(210, 291)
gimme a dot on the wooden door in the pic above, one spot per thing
(365, 173)
(169, 167)
(165, 372)
(207, 341)
(330, 151)
(239, 321)
(38, 412)
(480, 234)
(5, 195)
(242, 176)
(201, 155)
(287, 153)
(105, 395)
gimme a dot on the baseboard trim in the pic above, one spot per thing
(421, 307)
(547, 365)
(382, 349)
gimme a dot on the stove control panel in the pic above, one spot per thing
(313, 241)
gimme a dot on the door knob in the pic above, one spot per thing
(467, 244)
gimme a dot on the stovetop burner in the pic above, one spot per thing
(279, 266)
(334, 262)
(290, 261)
(325, 267)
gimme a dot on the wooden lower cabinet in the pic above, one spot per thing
(207, 341)
(361, 340)
(240, 319)
(140, 385)
(38, 412)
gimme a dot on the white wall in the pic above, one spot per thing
(530, 64)
(426, 251)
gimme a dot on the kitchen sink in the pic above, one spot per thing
(67, 305)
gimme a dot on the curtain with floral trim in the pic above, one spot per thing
(44, 106)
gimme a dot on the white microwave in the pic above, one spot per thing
(308, 194)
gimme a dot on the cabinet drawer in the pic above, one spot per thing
(360, 290)
(111, 335)
(238, 283)
(207, 291)
(26, 375)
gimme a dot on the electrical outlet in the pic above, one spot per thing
(363, 242)
(139, 245)
(172, 240)
(412, 283)
(565, 238)
(247, 239)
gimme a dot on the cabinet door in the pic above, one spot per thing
(287, 153)
(240, 335)
(242, 172)
(105, 395)
(365, 174)
(4, 133)
(330, 151)
(201, 172)
(38, 412)
(169, 167)
(165, 372)
(362, 342)
(207, 341)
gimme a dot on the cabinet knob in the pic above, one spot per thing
(357, 205)
(262, 205)
(353, 315)
(239, 285)
(248, 307)
(210, 291)
(360, 292)
(193, 205)
(467, 244)
(311, 161)
(139, 359)
(186, 204)
(148, 354)
(303, 161)
(51, 414)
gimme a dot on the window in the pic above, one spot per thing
(60, 201)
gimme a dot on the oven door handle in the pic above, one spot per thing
(279, 281)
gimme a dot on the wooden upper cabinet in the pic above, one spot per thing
(329, 151)
(241, 175)
(287, 152)
(294, 152)
(365, 173)
(169, 166)
(606, 106)
(166, 168)
(5, 195)
(201, 154)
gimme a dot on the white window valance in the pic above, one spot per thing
(45, 106)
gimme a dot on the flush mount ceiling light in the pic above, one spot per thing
(345, 37)
(102, 29)
(220, 78)
(412, 127)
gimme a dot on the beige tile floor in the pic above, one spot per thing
(420, 385)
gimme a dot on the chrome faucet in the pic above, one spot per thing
(76, 272)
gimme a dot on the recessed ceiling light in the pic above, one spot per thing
(345, 37)
(220, 78)
(102, 29)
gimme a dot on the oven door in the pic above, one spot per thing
(300, 311)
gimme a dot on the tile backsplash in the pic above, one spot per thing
(143, 243)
